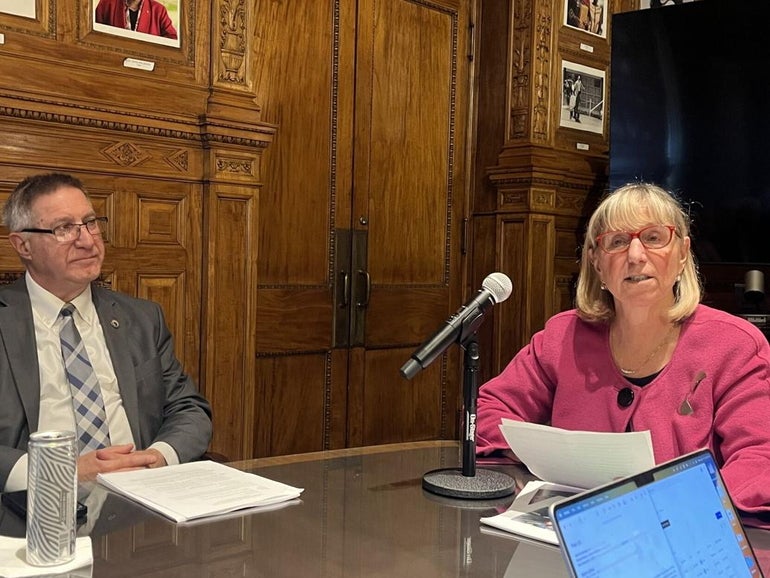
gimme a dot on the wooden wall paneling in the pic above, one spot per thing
(512, 321)
(540, 279)
(569, 242)
(56, 140)
(154, 250)
(228, 366)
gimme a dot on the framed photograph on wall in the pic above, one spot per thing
(586, 15)
(155, 21)
(582, 98)
(25, 8)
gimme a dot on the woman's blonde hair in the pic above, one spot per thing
(629, 208)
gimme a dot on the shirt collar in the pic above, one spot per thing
(47, 306)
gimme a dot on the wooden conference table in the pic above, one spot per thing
(363, 512)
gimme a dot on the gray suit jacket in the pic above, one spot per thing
(161, 401)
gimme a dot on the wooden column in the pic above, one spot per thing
(233, 139)
(536, 179)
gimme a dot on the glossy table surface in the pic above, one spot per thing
(363, 512)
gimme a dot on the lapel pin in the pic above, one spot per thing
(115, 323)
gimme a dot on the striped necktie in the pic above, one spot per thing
(90, 417)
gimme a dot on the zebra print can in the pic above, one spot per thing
(51, 497)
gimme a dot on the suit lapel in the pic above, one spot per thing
(115, 325)
(18, 331)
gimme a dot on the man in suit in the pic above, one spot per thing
(153, 411)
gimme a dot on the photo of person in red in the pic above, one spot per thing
(147, 16)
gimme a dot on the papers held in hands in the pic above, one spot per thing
(584, 459)
(567, 462)
(197, 489)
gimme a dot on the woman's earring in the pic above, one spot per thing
(678, 288)
(603, 286)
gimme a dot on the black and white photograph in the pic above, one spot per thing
(586, 15)
(25, 8)
(661, 3)
(582, 98)
(155, 21)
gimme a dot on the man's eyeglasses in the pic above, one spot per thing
(69, 232)
(653, 237)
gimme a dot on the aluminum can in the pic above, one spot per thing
(51, 497)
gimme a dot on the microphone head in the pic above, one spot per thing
(499, 285)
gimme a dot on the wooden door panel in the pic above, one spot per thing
(407, 191)
(395, 409)
(410, 120)
(369, 103)
(294, 319)
(398, 315)
(304, 66)
(294, 412)
(298, 205)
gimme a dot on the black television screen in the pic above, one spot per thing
(690, 111)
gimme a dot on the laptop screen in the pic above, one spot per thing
(675, 519)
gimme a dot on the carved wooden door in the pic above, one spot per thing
(360, 219)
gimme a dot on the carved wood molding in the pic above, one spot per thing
(81, 120)
(542, 195)
(522, 70)
(543, 40)
(532, 181)
(194, 134)
(532, 31)
(231, 19)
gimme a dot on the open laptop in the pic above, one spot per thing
(675, 519)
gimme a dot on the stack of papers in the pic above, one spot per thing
(567, 462)
(197, 489)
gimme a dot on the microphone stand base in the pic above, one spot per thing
(485, 485)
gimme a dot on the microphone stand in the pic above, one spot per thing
(469, 482)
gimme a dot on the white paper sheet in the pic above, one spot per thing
(578, 458)
(197, 489)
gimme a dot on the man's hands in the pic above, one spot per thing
(115, 459)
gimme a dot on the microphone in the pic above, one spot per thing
(497, 287)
